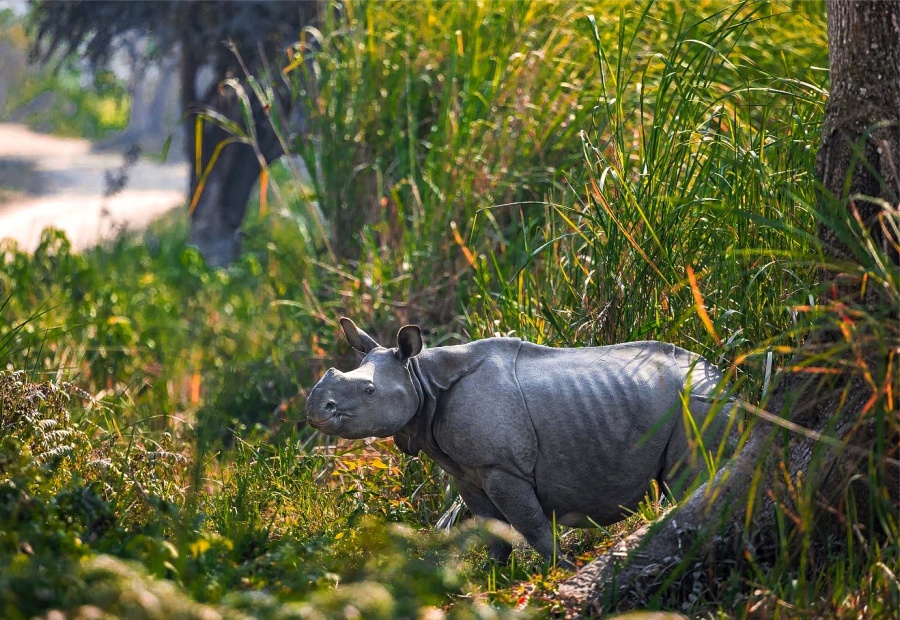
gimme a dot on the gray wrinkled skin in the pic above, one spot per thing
(529, 431)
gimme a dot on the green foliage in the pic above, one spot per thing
(58, 100)
(586, 164)
(696, 160)
(68, 494)
(427, 113)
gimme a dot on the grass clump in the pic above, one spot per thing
(426, 112)
(253, 537)
(696, 160)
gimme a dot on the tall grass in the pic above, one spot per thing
(700, 158)
(550, 170)
(697, 225)
(426, 112)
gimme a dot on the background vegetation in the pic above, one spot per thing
(63, 101)
(569, 174)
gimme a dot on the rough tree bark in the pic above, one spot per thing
(734, 517)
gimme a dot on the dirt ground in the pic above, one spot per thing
(51, 181)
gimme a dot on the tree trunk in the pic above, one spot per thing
(221, 204)
(755, 509)
(220, 208)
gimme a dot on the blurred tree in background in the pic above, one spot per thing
(211, 41)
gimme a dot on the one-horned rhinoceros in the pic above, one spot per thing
(529, 431)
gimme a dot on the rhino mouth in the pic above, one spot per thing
(316, 409)
(331, 424)
(334, 417)
(318, 423)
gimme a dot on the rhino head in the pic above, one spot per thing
(377, 399)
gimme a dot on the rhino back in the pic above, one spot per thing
(603, 417)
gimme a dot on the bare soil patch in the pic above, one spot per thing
(61, 182)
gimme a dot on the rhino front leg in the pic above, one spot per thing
(516, 499)
(482, 508)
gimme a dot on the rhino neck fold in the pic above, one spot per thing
(407, 439)
(433, 372)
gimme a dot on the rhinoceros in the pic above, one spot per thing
(530, 432)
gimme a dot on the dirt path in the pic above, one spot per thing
(51, 181)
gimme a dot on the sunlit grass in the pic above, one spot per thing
(586, 164)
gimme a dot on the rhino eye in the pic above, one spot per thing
(370, 389)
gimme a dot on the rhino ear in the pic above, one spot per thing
(409, 342)
(358, 339)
